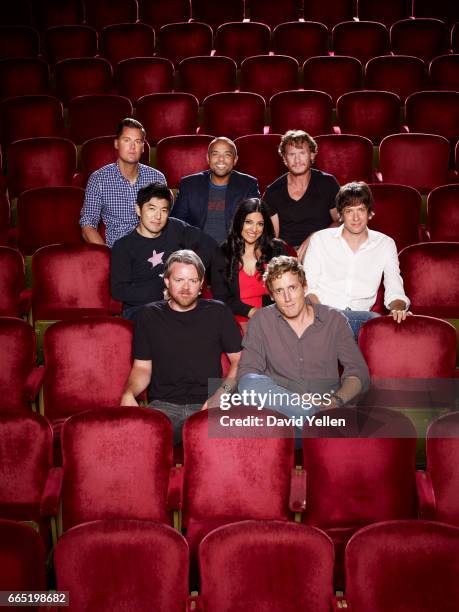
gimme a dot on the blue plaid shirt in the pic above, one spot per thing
(110, 197)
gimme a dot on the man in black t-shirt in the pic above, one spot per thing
(303, 200)
(137, 260)
(178, 345)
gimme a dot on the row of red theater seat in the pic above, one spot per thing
(119, 565)
(203, 76)
(373, 114)
(424, 38)
(416, 160)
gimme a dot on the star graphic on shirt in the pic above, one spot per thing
(156, 259)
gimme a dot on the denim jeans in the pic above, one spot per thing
(177, 413)
(357, 318)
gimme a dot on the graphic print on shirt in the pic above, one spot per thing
(156, 259)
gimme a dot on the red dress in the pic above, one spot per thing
(251, 291)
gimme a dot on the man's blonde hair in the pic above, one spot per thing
(279, 266)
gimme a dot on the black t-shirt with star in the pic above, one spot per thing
(137, 263)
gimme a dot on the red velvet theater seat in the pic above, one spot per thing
(396, 202)
(11, 281)
(22, 559)
(216, 13)
(443, 213)
(203, 76)
(401, 74)
(242, 39)
(26, 459)
(40, 162)
(96, 115)
(261, 565)
(233, 114)
(5, 218)
(120, 565)
(309, 110)
(272, 12)
(228, 478)
(330, 12)
(403, 565)
(78, 355)
(386, 12)
(258, 157)
(158, 14)
(57, 12)
(360, 39)
(359, 474)
(69, 41)
(83, 76)
(17, 13)
(178, 156)
(347, 157)
(442, 9)
(18, 41)
(98, 152)
(126, 40)
(23, 76)
(444, 72)
(35, 209)
(424, 38)
(438, 485)
(179, 40)
(268, 74)
(335, 75)
(300, 39)
(116, 465)
(142, 76)
(101, 13)
(168, 114)
(431, 281)
(434, 112)
(418, 160)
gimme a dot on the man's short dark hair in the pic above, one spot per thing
(154, 190)
(297, 138)
(129, 122)
(185, 256)
(353, 194)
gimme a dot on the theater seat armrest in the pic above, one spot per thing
(175, 488)
(77, 180)
(116, 308)
(50, 499)
(426, 495)
(339, 603)
(194, 604)
(423, 233)
(33, 383)
(25, 300)
(378, 176)
(297, 501)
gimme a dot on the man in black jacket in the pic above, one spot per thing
(209, 199)
(138, 259)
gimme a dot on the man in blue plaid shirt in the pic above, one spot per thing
(111, 191)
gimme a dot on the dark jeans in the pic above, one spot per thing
(177, 413)
(357, 318)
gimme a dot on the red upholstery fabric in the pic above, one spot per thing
(434, 112)
(443, 213)
(311, 110)
(424, 38)
(125, 40)
(300, 39)
(431, 281)
(234, 114)
(347, 157)
(31, 116)
(442, 449)
(78, 356)
(421, 347)
(26, 458)
(179, 40)
(403, 565)
(333, 74)
(18, 41)
(396, 202)
(444, 72)
(22, 559)
(23, 76)
(116, 465)
(71, 281)
(40, 162)
(144, 75)
(386, 12)
(272, 12)
(373, 114)
(443, 9)
(455, 38)
(242, 39)
(168, 114)
(261, 565)
(401, 74)
(360, 39)
(119, 565)
(234, 479)
(56, 12)
(178, 156)
(83, 76)
(269, 74)
(96, 115)
(158, 14)
(62, 42)
(258, 157)
(35, 209)
(11, 281)
(5, 218)
(17, 359)
(98, 152)
(330, 12)
(203, 76)
(101, 13)
(216, 13)
(402, 159)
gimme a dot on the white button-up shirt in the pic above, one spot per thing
(343, 278)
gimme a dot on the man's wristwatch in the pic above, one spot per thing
(337, 399)
(227, 388)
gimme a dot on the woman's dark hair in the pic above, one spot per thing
(234, 246)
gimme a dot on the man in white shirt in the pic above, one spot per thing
(344, 265)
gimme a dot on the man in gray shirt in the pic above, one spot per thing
(293, 347)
